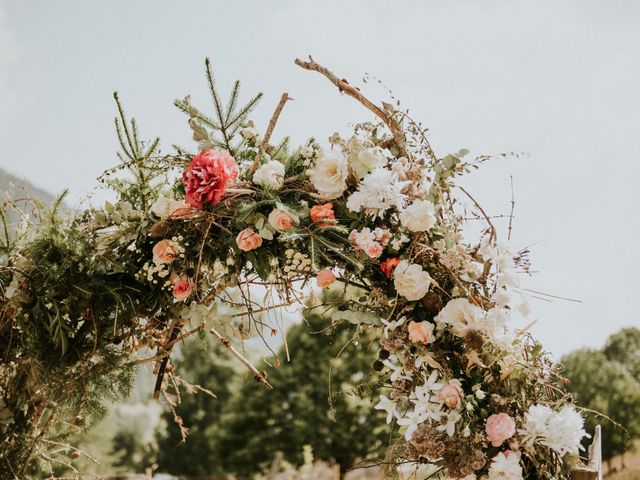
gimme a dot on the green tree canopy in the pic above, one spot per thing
(624, 347)
(210, 368)
(607, 387)
(260, 423)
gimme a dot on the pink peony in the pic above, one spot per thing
(421, 332)
(325, 278)
(182, 286)
(165, 251)
(205, 179)
(450, 394)
(248, 240)
(500, 427)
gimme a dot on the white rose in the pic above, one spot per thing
(367, 160)
(270, 175)
(419, 216)
(411, 281)
(330, 174)
(462, 316)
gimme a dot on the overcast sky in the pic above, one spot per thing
(557, 80)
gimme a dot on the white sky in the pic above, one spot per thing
(558, 80)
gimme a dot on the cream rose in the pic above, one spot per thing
(420, 216)
(329, 175)
(411, 281)
(462, 316)
(421, 332)
(270, 175)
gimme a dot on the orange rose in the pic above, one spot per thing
(388, 265)
(248, 240)
(165, 251)
(325, 278)
(322, 212)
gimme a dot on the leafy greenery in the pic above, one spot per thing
(605, 386)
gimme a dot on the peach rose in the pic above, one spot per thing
(282, 220)
(182, 286)
(500, 427)
(165, 251)
(388, 265)
(322, 212)
(248, 240)
(373, 250)
(421, 332)
(325, 278)
(450, 393)
(180, 210)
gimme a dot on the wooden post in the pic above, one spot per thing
(593, 469)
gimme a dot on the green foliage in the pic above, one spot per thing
(259, 423)
(605, 386)
(624, 348)
(229, 118)
(201, 362)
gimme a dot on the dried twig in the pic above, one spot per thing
(265, 141)
(260, 376)
(387, 114)
(513, 207)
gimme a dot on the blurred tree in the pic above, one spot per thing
(624, 347)
(260, 423)
(607, 387)
(210, 368)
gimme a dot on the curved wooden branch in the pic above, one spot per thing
(272, 124)
(387, 114)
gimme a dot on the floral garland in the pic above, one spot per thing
(192, 236)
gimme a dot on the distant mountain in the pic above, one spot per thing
(17, 188)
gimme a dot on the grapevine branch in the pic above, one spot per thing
(386, 114)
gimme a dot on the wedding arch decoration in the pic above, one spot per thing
(218, 239)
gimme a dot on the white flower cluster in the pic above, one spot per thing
(560, 431)
(367, 159)
(379, 191)
(505, 466)
(296, 263)
(370, 242)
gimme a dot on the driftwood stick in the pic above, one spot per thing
(260, 376)
(387, 114)
(272, 124)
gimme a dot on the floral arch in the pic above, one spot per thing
(86, 297)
